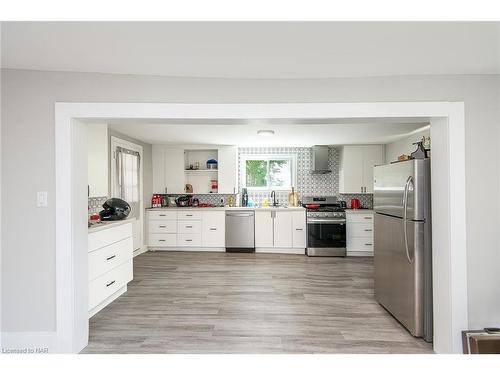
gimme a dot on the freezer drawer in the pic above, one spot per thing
(399, 276)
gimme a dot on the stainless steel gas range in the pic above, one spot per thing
(326, 227)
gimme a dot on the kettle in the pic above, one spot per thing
(355, 204)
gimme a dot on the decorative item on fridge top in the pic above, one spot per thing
(212, 164)
(214, 186)
(420, 152)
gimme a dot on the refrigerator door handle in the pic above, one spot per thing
(405, 216)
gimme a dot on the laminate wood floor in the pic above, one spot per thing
(193, 302)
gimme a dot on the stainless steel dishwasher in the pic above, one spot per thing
(240, 231)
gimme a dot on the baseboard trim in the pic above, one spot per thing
(140, 251)
(29, 343)
(277, 250)
(188, 249)
(359, 253)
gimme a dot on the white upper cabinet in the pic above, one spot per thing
(171, 169)
(228, 169)
(98, 160)
(168, 169)
(356, 168)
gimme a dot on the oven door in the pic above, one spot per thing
(326, 234)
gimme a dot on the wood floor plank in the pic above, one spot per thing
(188, 302)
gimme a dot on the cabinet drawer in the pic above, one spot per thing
(188, 240)
(360, 244)
(105, 259)
(163, 215)
(359, 218)
(187, 227)
(189, 215)
(106, 237)
(163, 226)
(107, 284)
(165, 239)
(360, 230)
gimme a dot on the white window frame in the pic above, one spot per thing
(268, 157)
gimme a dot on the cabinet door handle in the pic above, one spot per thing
(162, 215)
(162, 226)
(368, 230)
(161, 240)
(213, 228)
(111, 257)
(189, 226)
(111, 283)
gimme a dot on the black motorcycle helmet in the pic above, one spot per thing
(114, 209)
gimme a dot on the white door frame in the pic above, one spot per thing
(448, 202)
(117, 141)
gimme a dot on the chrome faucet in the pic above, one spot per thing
(273, 196)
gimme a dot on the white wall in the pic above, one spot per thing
(28, 262)
(98, 160)
(405, 145)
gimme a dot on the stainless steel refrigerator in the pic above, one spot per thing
(402, 243)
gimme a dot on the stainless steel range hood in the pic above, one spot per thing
(320, 160)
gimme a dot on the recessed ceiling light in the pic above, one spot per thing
(265, 133)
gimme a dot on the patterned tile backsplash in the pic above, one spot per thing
(95, 204)
(307, 183)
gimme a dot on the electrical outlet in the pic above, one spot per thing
(42, 199)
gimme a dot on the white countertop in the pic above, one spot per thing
(229, 208)
(358, 211)
(109, 224)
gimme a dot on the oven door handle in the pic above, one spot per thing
(325, 221)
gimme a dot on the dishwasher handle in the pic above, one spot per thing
(240, 214)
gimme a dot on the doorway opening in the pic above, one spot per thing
(446, 119)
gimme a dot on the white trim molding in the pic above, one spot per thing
(449, 226)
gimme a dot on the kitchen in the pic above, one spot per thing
(266, 190)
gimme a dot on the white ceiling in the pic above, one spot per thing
(304, 135)
(254, 49)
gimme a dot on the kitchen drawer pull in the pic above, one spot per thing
(189, 215)
(368, 244)
(368, 217)
(111, 283)
(189, 226)
(298, 228)
(162, 215)
(162, 226)
(189, 240)
(111, 257)
(368, 230)
(161, 240)
(213, 228)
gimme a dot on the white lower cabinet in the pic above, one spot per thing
(187, 230)
(283, 229)
(109, 265)
(213, 229)
(264, 229)
(359, 232)
(280, 231)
